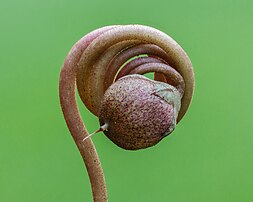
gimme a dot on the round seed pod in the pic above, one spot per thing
(139, 112)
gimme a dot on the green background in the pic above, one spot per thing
(209, 156)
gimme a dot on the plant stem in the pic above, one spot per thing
(67, 84)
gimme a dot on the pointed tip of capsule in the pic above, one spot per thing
(102, 128)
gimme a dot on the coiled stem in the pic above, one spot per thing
(101, 58)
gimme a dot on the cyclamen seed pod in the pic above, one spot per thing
(139, 112)
(134, 112)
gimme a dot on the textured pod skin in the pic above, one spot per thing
(138, 112)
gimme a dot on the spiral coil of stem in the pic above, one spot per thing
(101, 58)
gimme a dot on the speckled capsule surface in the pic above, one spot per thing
(139, 112)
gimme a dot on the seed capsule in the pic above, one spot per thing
(139, 112)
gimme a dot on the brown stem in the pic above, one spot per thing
(73, 119)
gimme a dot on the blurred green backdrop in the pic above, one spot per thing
(209, 156)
